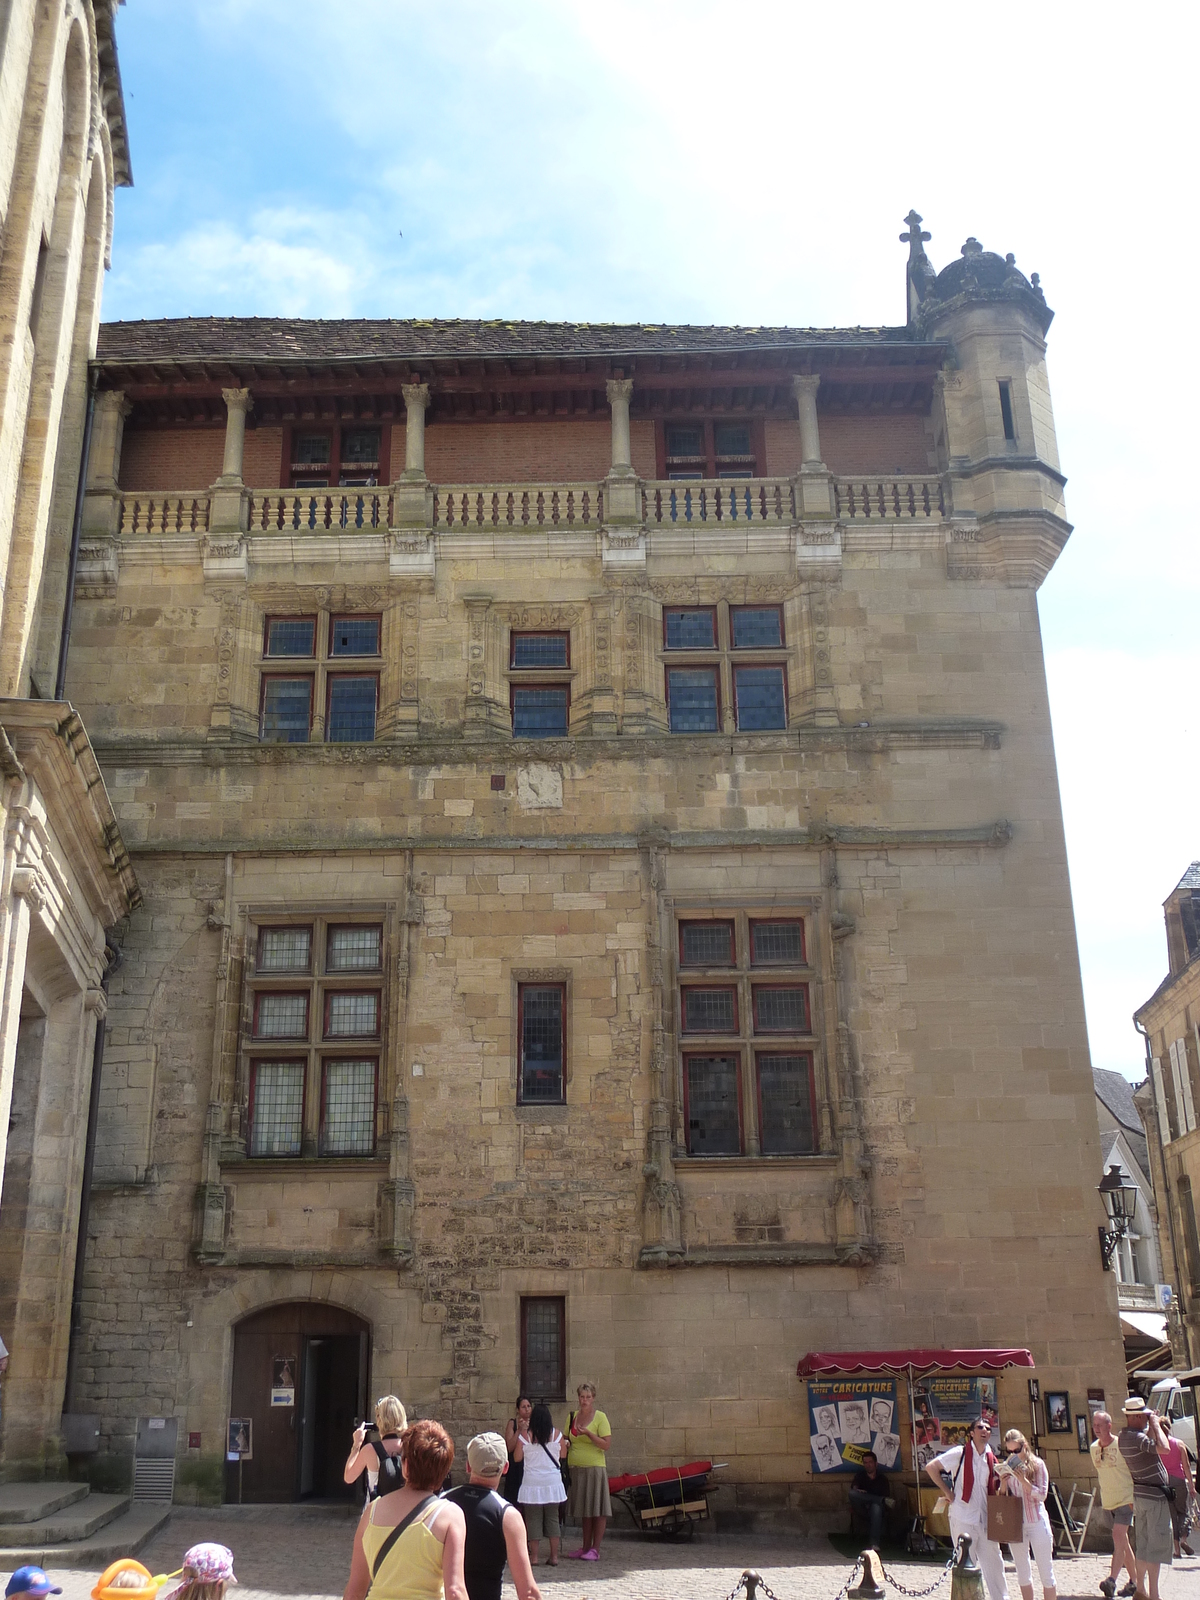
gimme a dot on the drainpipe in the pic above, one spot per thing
(113, 961)
(60, 680)
(1166, 1178)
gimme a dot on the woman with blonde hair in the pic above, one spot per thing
(588, 1501)
(1026, 1474)
(372, 1455)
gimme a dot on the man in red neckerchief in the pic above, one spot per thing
(967, 1474)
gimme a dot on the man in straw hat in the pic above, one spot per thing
(1143, 1444)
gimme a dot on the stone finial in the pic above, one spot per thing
(973, 248)
(915, 238)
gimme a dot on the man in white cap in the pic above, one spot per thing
(1142, 1444)
(495, 1529)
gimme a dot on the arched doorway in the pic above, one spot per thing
(300, 1376)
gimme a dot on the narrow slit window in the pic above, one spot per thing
(541, 1025)
(277, 1108)
(543, 1347)
(1006, 410)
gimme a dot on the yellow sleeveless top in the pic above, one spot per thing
(413, 1569)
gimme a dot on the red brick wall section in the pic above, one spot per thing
(549, 451)
(173, 458)
(263, 458)
(852, 444)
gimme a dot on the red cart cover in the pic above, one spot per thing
(635, 1480)
(820, 1363)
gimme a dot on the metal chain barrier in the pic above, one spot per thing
(916, 1594)
(754, 1584)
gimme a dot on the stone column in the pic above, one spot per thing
(805, 389)
(619, 391)
(412, 496)
(229, 499)
(237, 403)
(102, 505)
(621, 545)
(814, 485)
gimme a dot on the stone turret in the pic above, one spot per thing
(995, 427)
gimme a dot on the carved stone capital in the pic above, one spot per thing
(415, 394)
(96, 1001)
(238, 400)
(619, 389)
(806, 384)
(29, 884)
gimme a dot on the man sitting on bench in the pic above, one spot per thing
(869, 1493)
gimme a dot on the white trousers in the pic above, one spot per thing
(991, 1562)
(1039, 1535)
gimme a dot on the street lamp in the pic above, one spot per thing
(1119, 1200)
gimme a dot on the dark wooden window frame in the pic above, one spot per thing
(351, 972)
(331, 674)
(335, 468)
(536, 683)
(693, 666)
(741, 649)
(356, 616)
(708, 1033)
(758, 922)
(709, 464)
(561, 1301)
(281, 616)
(708, 966)
(703, 650)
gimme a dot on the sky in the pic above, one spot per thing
(699, 162)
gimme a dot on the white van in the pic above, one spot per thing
(1170, 1399)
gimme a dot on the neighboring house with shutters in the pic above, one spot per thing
(1170, 1021)
(1136, 1260)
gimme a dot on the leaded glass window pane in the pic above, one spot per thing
(287, 710)
(540, 713)
(360, 444)
(354, 949)
(692, 695)
(278, 1115)
(690, 629)
(291, 636)
(540, 649)
(284, 949)
(785, 1102)
(780, 1010)
(352, 1016)
(732, 438)
(756, 627)
(310, 449)
(776, 944)
(760, 699)
(541, 1043)
(713, 1124)
(706, 944)
(709, 1010)
(354, 636)
(542, 1375)
(351, 710)
(348, 1110)
(684, 442)
(281, 1016)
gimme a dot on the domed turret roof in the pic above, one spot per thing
(978, 276)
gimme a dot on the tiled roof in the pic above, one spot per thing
(1116, 1091)
(291, 339)
(1190, 879)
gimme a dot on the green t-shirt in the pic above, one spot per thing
(583, 1453)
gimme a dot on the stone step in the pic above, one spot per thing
(125, 1535)
(73, 1523)
(28, 1502)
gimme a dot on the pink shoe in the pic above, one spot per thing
(589, 1555)
(575, 1555)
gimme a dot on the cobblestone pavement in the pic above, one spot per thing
(305, 1551)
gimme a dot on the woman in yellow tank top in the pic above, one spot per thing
(426, 1561)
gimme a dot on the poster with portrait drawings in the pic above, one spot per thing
(849, 1416)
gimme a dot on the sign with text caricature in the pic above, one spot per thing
(849, 1416)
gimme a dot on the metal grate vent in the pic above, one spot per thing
(153, 1480)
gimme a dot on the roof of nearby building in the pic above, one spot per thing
(1190, 879)
(278, 339)
(1115, 1092)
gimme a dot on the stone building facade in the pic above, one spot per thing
(64, 875)
(605, 903)
(1170, 1021)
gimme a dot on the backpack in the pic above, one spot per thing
(391, 1473)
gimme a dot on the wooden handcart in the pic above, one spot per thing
(669, 1501)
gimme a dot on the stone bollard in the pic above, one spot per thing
(751, 1580)
(870, 1586)
(966, 1580)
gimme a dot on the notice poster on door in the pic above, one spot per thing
(241, 1439)
(945, 1409)
(849, 1416)
(283, 1380)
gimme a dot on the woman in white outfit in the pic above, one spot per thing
(1028, 1476)
(541, 1492)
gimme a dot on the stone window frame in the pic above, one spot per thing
(316, 1049)
(321, 668)
(519, 977)
(724, 659)
(523, 1301)
(814, 974)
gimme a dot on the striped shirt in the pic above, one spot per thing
(1140, 1454)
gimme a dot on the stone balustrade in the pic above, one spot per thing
(162, 513)
(301, 510)
(770, 502)
(888, 499)
(518, 505)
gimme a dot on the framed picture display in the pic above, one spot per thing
(1081, 1432)
(1058, 1411)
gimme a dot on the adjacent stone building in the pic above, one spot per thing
(64, 875)
(605, 903)
(1167, 1102)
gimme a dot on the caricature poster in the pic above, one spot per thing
(849, 1416)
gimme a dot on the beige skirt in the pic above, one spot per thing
(589, 1493)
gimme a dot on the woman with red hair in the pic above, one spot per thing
(409, 1544)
